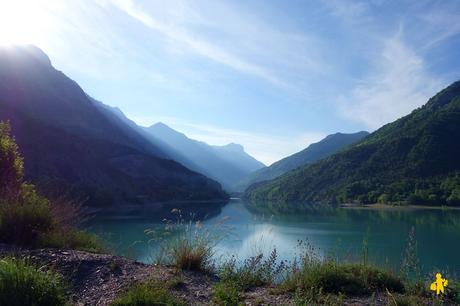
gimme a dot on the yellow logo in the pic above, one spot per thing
(439, 284)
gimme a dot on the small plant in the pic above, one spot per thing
(22, 220)
(24, 284)
(71, 239)
(366, 247)
(186, 245)
(149, 293)
(227, 294)
(29, 219)
(314, 298)
(252, 272)
(348, 279)
(410, 265)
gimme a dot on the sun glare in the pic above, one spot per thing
(21, 22)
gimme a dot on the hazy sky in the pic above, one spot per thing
(271, 75)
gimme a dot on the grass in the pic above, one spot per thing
(71, 239)
(23, 284)
(22, 221)
(187, 245)
(227, 294)
(150, 293)
(347, 279)
(28, 219)
(31, 220)
(235, 277)
(252, 272)
(191, 254)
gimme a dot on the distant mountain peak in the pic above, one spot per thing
(314, 152)
(160, 125)
(228, 164)
(235, 147)
(412, 160)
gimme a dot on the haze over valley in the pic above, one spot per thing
(228, 153)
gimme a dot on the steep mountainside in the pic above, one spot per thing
(226, 164)
(313, 153)
(69, 140)
(415, 159)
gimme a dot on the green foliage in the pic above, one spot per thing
(348, 279)
(413, 160)
(237, 277)
(23, 220)
(71, 239)
(410, 266)
(149, 293)
(316, 151)
(252, 272)
(189, 245)
(11, 164)
(22, 284)
(314, 297)
(227, 294)
(28, 219)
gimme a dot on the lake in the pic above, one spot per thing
(340, 233)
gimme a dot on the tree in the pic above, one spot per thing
(11, 164)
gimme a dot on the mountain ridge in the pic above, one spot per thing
(314, 152)
(226, 164)
(69, 140)
(411, 160)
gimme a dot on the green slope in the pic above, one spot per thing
(415, 159)
(313, 153)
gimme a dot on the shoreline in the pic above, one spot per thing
(378, 206)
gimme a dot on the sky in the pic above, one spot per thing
(273, 76)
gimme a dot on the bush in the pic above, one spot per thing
(188, 245)
(30, 220)
(191, 254)
(71, 239)
(22, 284)
(146, 294)
(22, 220)
(11, 164)
(226, 294)
(348, 279)
(252, 272)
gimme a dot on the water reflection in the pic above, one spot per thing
(332, 232)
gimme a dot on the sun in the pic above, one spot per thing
(21, 22)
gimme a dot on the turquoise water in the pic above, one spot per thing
(338, 233)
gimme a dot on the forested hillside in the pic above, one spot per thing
(415, 159)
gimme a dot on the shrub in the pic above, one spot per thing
(192, 253)
(71, 239)
(146, 294)
(186, 245)
(22, 220)
(252, 272)
(348, 279)
(313, 297)
(226, 294)
(11, 164)
(23, 284)
(28, 219)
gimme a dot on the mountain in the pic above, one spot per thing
(226, 164)
(73, 142)
(235, 154)
(314, 152)
(415, 159)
